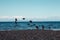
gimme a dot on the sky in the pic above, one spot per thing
(30, 9)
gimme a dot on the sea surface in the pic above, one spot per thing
(55, 25)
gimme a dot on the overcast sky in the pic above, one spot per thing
(30, 8)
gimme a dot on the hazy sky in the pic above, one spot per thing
(30, 8)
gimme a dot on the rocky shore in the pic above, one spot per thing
(30, 35)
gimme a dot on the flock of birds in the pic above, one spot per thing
(37, 27)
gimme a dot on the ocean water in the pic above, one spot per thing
(29, 26)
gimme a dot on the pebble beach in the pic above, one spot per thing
(30, 35)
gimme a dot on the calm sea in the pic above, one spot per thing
(26, 25)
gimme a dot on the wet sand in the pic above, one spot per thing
(30, 35)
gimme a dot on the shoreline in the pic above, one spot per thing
(30, 35)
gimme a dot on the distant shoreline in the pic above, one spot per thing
(28, 21)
